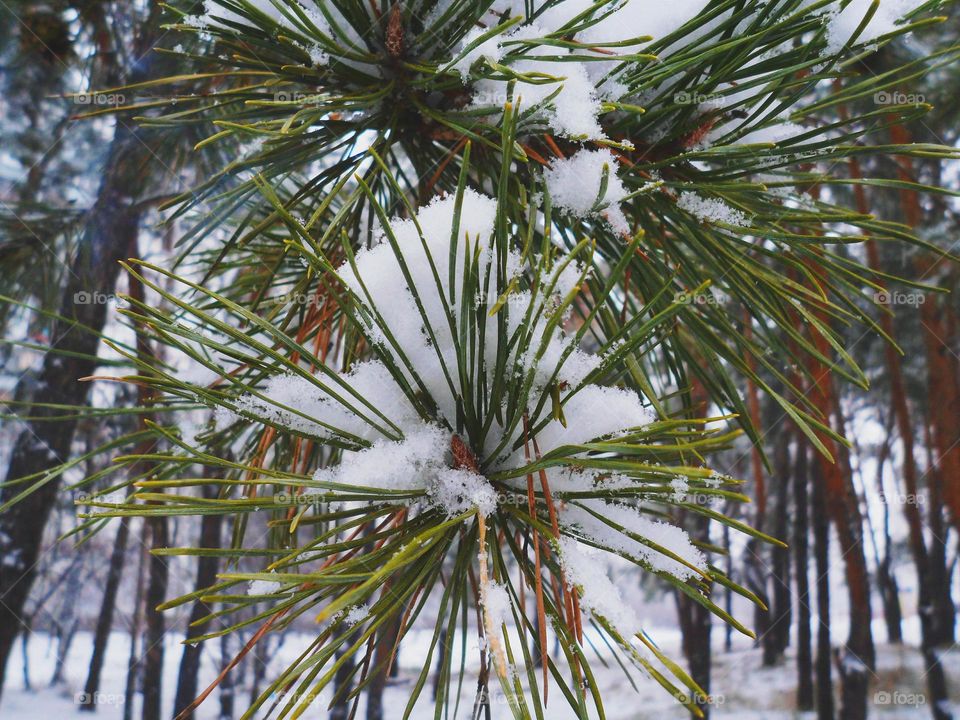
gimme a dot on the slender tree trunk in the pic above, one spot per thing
(227, 689)
(105, 619)
(855, 661)
(159, 572)
(801, 529)
(777, 639)
(383, 664)
(756, 570)
(66, 620)
(64, 643)
(696, 620)
(940, 570)
(155, 625)
(886, 580)
(695, 627)
(821, 545)
(133, 664)
(211, 527)
(25, 653)
(342, 684)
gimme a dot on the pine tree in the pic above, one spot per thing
(442, 318)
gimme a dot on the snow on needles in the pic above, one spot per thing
(593, 519)
(577, 87)
(215, 14)
(575, 184)
(711, 210)
(842, 24)
(489, 49)
(598, 594)
(395, 412)
(397, 448)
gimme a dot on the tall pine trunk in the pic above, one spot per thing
(695, 627)
(777, 638)
(886, 580)
(821, 551)
(801, 530)
(383, 664)
(855, 661)
(940, 570)
(108, 603)
(133, 663)
(211, 527)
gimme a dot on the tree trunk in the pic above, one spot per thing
(801, 549)
(382, 665)
(756, 569)
(105, 618)
(210, 537)
(777, 639)
(227, 691)
(155, 625)
(158, 570)
(133, 664)
(695, 627)
(66, 617)
(342, 685)
(886, 580)
(821, 549)
(855, 661)
(940, 570)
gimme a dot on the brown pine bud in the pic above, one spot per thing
(462, 456)
(394, 36)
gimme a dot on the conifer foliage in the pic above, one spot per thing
(443, 318)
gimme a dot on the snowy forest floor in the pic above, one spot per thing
(742, 688)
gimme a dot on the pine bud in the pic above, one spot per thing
(394, 36)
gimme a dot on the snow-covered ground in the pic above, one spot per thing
(741, 687)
